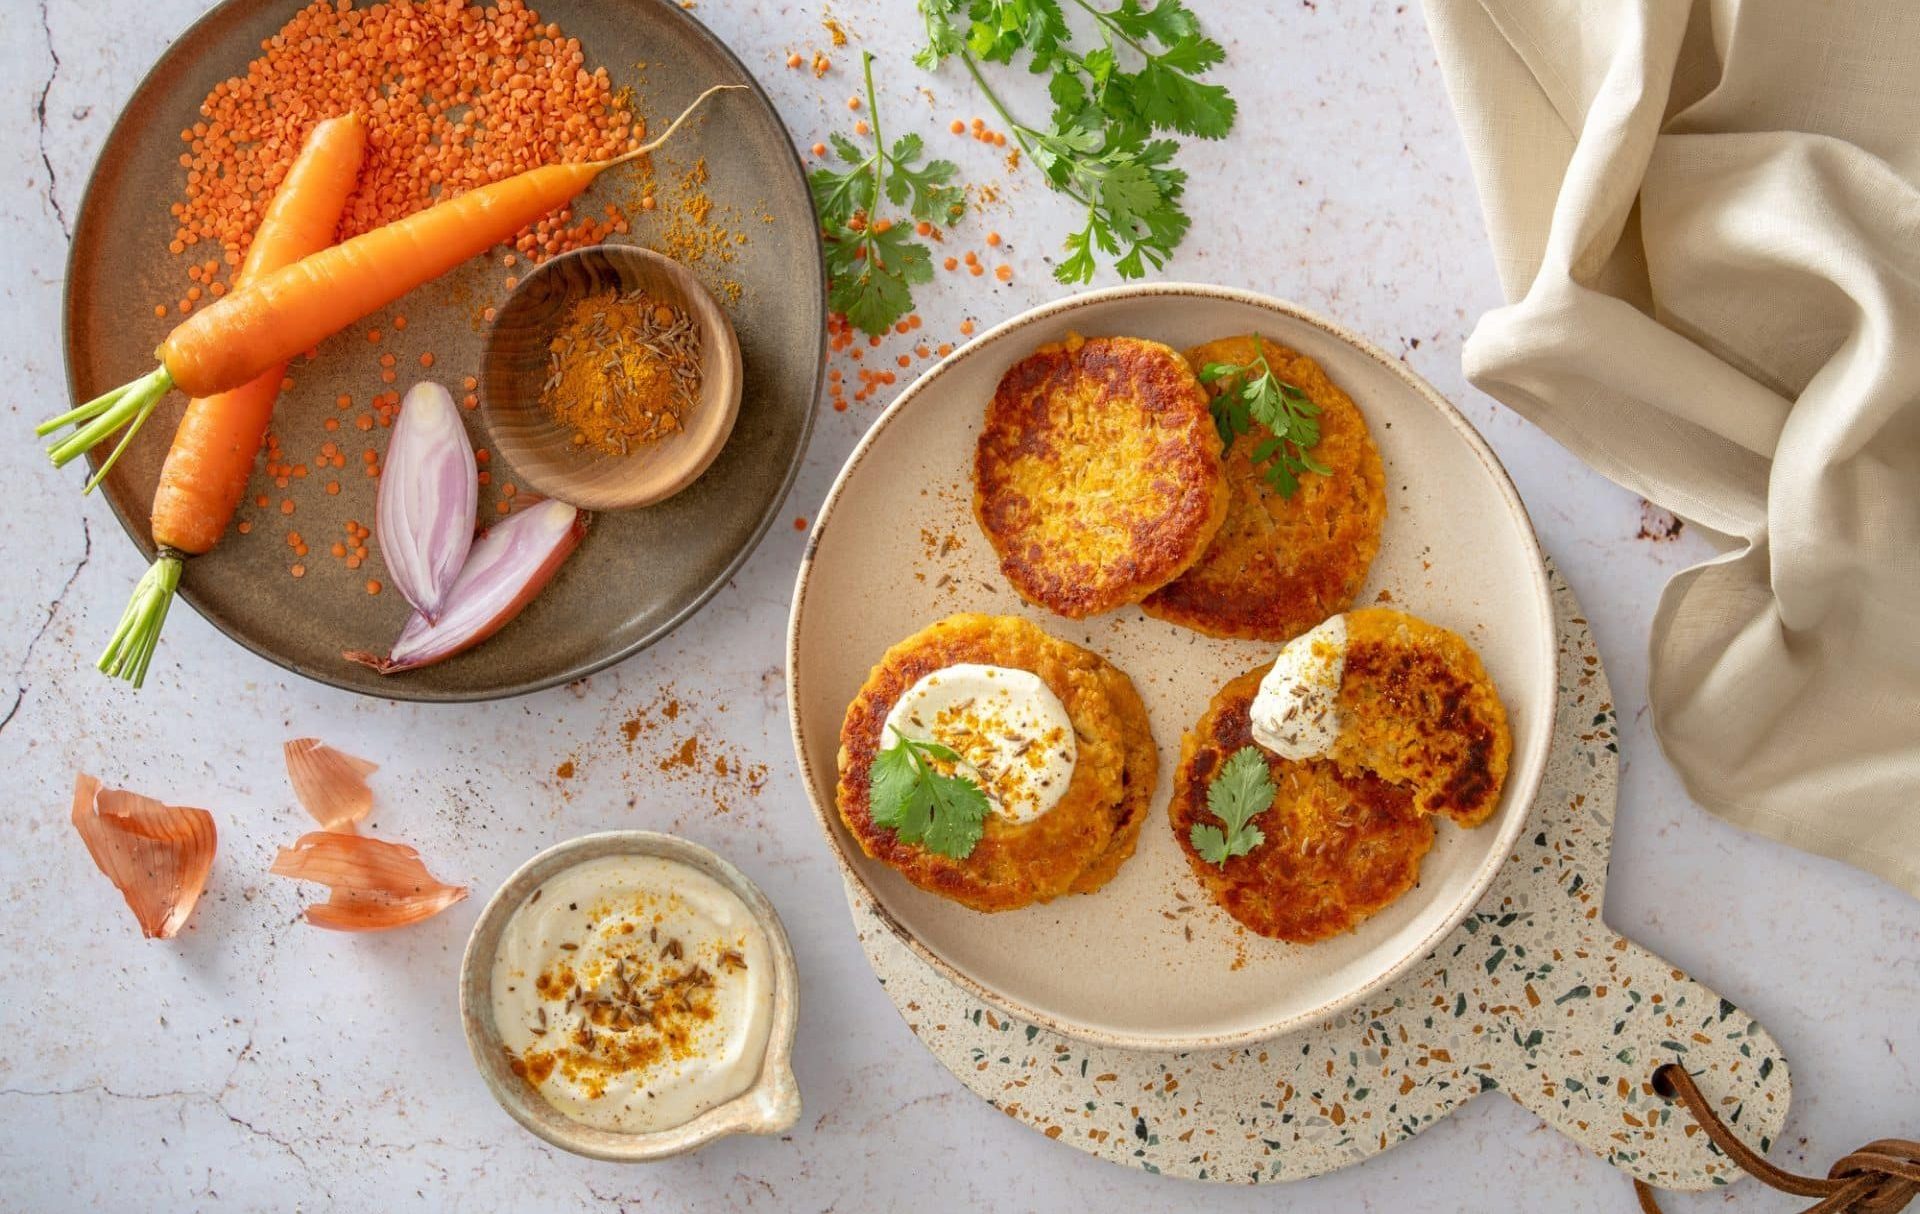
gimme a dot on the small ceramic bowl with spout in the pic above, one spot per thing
(770, 1105)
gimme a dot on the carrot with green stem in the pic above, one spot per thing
(264, 322)
(212, 455)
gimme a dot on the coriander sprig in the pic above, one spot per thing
(920, 803)
(873, 262)
(1241, 791)
(1097, 147)
(1253, 393)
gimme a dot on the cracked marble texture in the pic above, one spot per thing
(258, 1063)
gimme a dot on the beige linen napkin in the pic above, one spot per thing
(1706, 215)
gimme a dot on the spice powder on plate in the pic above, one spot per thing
(623, 370)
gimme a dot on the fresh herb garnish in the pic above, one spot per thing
(1096, 147)
(921, 804)
(1242, 790)
(874, 262)
(1253, 393)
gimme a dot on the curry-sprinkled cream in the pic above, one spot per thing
(1295, 714)
(1008, 726)
(634, 993)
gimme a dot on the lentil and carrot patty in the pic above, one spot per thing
(1014, 864)
(1340, 844)
(1139, 773)
(1279, 565)
(1097, 474)
(1418, 709)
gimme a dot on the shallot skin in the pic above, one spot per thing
(429, 492)
(507, 567)
(376, 884)
(156, 855)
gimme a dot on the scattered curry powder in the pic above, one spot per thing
(624, 371)
(689, 756)
(699, 230)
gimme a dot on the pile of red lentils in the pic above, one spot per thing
(455, 95)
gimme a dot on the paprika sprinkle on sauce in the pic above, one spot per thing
(623, 371)
(633, 993)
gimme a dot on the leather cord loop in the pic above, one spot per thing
(1879, 1178)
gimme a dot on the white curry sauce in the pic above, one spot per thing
(1296, 712)
(634, 993)
(1010, 728)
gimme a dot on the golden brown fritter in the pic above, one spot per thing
(1013, 864)
(1280, 565)
(1140, 771)
(1340, 844)
(1097, 474)
(1418, 710)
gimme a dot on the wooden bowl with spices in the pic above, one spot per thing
(610, 378)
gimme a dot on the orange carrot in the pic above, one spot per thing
(256, 326)
(213, 451)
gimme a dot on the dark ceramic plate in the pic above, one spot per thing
(639, 573)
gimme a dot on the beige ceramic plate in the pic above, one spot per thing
(896, 547)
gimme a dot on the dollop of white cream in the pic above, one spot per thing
(1295, 713)
(1012, 731)
(634, 993)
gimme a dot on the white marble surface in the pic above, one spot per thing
(259, 1063)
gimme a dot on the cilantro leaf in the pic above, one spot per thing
(1242, 790)
(1132, 199)
(893, 782)
(959, 818)
(941, 811)
(1168, 21)
(1253, 393)
(943, 40)
(1170, 99)
(873, 275)
(873, 263)
(928, 186)
(1210, 843)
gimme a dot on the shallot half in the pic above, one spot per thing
(429, 490)
(507, 567)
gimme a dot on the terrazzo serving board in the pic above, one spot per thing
(1533, 995)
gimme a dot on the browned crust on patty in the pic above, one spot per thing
(1419, 709)
(1140, 772)
(1013, 865)
(1279, 565)
(1097, 473)
(1340, 844)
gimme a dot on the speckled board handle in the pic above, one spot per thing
(1532, 995)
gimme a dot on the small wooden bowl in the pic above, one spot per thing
(516, 363)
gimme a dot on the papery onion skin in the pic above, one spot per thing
(376, 885)
(507, 567)
(429, 492)
(158, 856)
(329, 784)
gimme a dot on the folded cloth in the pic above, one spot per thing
(1706, 216)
